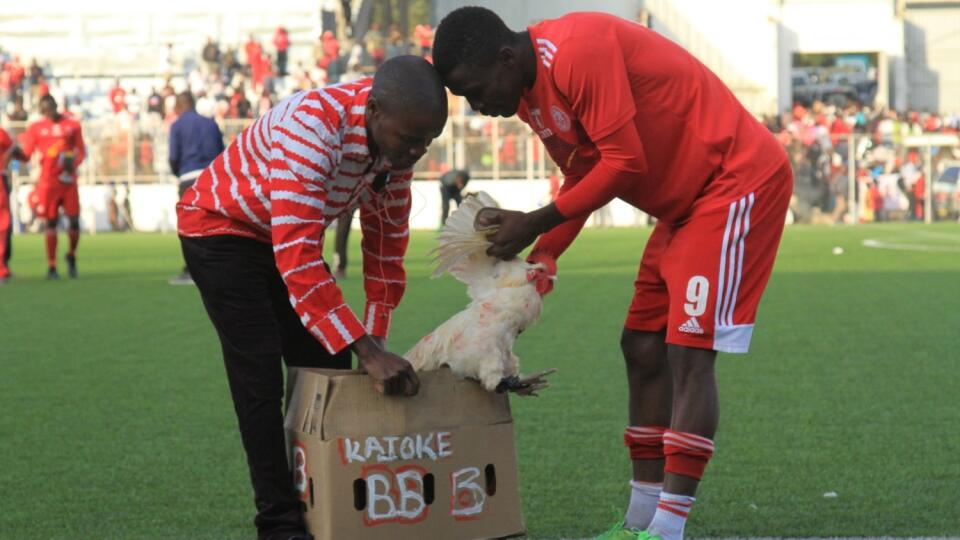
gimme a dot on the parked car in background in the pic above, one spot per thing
(946, 196)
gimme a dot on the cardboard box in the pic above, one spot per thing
(440, 465)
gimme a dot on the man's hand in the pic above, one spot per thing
(512, 231)
(392, 375)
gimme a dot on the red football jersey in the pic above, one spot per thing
(59, 143)
(5, 143)
(596, 72)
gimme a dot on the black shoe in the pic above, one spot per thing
(52, 274)
(289, 536)
(5, 279)
(72, 266)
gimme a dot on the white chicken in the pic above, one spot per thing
(477, 343)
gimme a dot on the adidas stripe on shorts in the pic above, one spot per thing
(701, 280)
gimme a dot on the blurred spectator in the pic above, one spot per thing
(282, 42)
(264, 103)
(330, 61)
(17, 73)
(133, 103)
(19, 114)
(423, 33)
(318, 53)
(230, 63)
(252, 49)
(118, 96)
(36, 72)
(171, 65)
(374, 44)
(155, 102)
(211, 56)
(239, 104)
(919, 197)
(396, 45)
(451, 188)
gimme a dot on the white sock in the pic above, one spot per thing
(643, 504)
(671, 516)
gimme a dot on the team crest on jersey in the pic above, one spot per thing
(560, 118)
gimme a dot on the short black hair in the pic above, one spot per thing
(185, 100)
(48, 97)
(409, 83)
(469, 35)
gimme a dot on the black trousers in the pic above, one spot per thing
(249, 306)
(448, 193)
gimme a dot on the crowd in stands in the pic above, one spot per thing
(232, 81)
(236, 82)
(887, 172)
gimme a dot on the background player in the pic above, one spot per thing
(452, 184)
(195, 141)
(627, 113)
(6, 219)
(59, 141)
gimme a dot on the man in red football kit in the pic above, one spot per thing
(252, 228)
(60, 143)
(6, 143)
(628, 114)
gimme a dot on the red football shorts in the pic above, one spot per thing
(55, 194)
(702, 280)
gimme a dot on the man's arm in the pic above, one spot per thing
(174, 156)
(554, 242)
(384, 219)
(28, 143)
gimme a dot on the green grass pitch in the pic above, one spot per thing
(115, 420)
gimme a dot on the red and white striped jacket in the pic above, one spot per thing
(287, 176)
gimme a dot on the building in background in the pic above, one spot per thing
(898, 54)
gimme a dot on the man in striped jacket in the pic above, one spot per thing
(252, 230)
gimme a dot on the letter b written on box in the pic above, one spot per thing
(396, 496)
(299, 461)
(468, 496)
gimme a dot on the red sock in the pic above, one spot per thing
(644, 442)
(687, 453)
(52, 248)
(74, 240)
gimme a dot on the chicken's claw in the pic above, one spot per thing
(526, 385)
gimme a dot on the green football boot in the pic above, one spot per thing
(619, 532)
